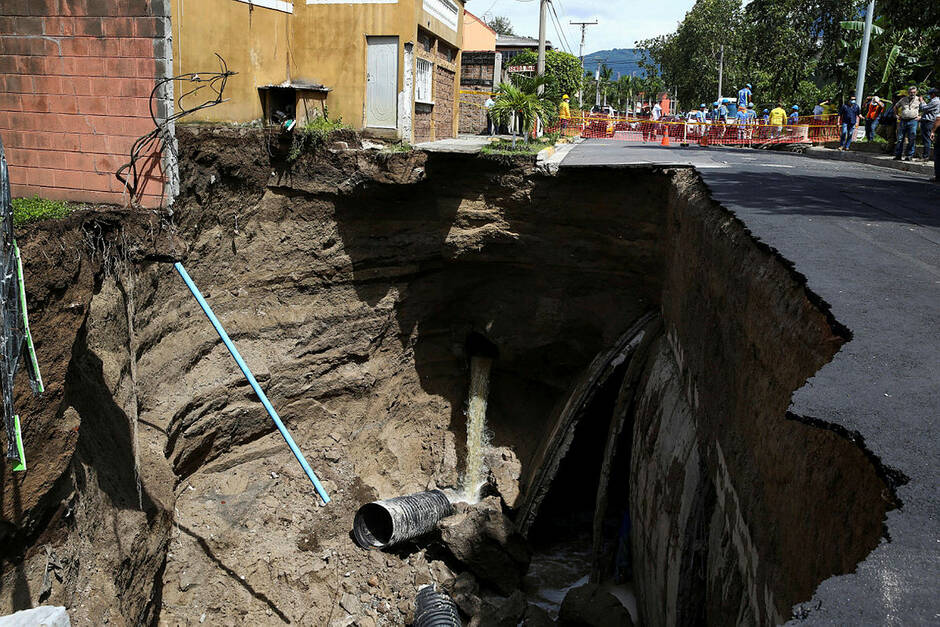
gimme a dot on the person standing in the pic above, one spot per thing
(907, 110)
(487, 108)
(765, 117)
(928, 115)
(794, 115)
(778, 117)
(848, 118)
(744, 96)
(936, 153)
(819, 110)
(564, 113)
(872, 112)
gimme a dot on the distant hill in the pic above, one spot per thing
(623, 60)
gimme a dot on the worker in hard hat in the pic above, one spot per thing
(564, 112)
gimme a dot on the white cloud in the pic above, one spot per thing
(620, 24)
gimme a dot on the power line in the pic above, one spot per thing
(563, 40)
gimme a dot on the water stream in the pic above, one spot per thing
(477, 442)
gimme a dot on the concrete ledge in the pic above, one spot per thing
(881, 161)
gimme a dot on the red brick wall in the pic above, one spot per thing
(75, 81)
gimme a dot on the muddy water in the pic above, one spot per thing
(560, 566)
(476, 427)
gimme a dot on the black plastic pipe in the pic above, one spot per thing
(433, 608)
(385, 523)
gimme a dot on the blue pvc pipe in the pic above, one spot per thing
(251, 379)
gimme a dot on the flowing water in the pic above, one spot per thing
(476, 427)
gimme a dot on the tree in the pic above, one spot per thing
(562, 72)
(501, 25)
(520, 100)
(689, 58)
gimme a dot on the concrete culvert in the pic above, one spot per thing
(382, 524)
(434, 608)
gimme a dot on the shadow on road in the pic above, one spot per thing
(881, 198)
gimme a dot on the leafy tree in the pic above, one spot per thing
(501, 25)
(689, 58)
(562, 72)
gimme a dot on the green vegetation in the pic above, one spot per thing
(521, 100)
(562, 75)
(506, 147)
(32, 209)
(501, 25)
(398, 147)
(796, 51)
(313, 134)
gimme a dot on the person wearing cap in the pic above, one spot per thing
(871, 111)
(794, 117)
(744, 96)
(848, 119)
(564, 112)
(928, 115)
(765, 116)
(907, 109)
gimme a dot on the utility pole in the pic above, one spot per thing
(721, 69)
(583, 26)
(543, 14)
(597, 84)
(863, 60)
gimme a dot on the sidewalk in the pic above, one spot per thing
(879, 160)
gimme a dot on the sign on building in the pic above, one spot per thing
(521, 68)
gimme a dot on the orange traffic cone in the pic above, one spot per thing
(665, 141)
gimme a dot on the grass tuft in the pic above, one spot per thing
(27, 210)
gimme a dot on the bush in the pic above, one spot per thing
(32, 209)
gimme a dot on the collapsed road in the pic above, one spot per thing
(868, 241)
(643, 350)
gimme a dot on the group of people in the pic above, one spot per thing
(911, 114)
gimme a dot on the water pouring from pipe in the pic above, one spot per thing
(477, 442)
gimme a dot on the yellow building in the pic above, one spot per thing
(387, 67)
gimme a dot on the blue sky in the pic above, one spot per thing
(621, 24)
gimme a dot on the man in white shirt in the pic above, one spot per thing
(489, 120)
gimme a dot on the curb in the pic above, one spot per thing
(870, 159)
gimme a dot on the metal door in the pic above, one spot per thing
(382, 82)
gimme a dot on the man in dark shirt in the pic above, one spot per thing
(848, 117)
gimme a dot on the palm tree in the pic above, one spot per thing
(607, 73)
(520, 100)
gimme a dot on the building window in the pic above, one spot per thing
(423, 81)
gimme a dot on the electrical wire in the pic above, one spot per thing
(558, 29)
(159, 138)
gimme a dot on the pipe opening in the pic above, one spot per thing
(478, 346)
(373, 526)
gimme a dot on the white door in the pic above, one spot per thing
(382, 82)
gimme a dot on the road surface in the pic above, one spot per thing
(868, 241)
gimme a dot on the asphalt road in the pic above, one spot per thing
(868, 241)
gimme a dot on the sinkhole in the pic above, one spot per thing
(641, 351)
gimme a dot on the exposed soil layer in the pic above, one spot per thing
(351, 283)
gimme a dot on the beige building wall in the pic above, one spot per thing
(477, 35)
(323, 42)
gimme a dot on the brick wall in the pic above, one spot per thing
(422, 122)
(444, 85)
(476, 75)
(75, 81)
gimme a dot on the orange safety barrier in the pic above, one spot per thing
(807, 129)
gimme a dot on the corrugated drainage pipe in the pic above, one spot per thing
(433, 608)
(382, 524)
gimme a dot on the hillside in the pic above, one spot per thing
(623, 60)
